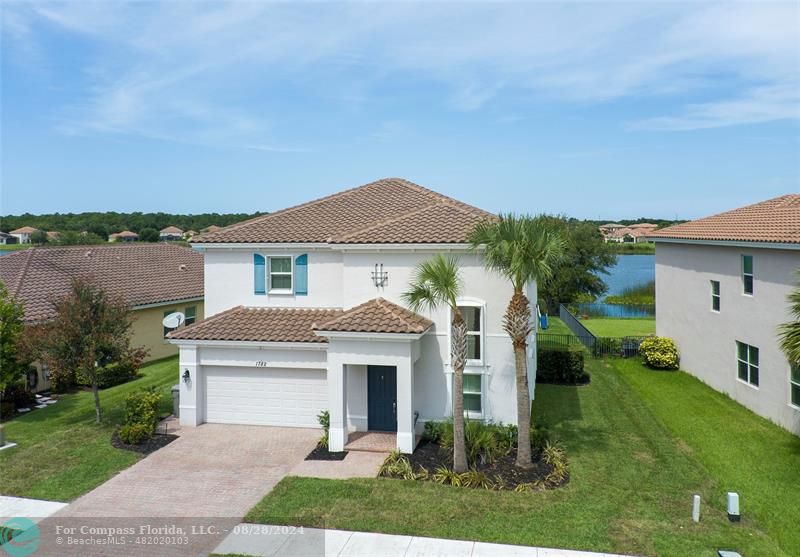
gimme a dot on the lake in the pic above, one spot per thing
(630, 271)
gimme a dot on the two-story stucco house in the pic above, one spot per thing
(304, 313)
(721, 292)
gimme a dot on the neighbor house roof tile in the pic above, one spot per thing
(773, 221)
(25, 230)
(259, 325)
(391, 210)
(377, 316)
(171, 230)
(141, 274)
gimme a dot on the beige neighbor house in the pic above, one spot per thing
(24, 234)
(155, 279)
(170, 234)
(721, 292)
(124, 236)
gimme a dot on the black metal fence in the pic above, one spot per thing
(596, 346)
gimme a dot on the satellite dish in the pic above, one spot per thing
(173, 320)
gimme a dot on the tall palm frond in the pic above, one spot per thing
(789, 333)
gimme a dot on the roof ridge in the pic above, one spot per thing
(303, 205)
(14, 290)
(386, 305)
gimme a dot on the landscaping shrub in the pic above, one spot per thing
(324, 419)
(484, 442)
(561, 367)
(19, 395)
(141, 415)
(659, 353)
(133, 434)
(116, 373)
(540, 436)
(433, 431)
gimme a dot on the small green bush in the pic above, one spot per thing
(324, 419)
(141, 415)
(540, 436)
(433, 431)
(484, 442)
(133, 434)
(562, 367)
(659, 353)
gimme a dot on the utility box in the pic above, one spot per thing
(176, 400)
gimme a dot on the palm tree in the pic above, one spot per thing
(437, 282)
(522, 249)
(790, 332)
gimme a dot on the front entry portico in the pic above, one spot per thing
(389, 385)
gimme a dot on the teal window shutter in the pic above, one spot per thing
(259, 274)
(301, 275)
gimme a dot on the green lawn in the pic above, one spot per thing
(611, 327)
(640, 444)
(557, 327)
(62, 453)
(14, 247)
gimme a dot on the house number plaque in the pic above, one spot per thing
(261, 363)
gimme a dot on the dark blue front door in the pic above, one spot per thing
(382, 398)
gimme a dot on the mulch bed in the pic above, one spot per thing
(322, 453)
(430, 456)
(147, 446)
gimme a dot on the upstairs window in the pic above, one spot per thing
(747, 357)
(747, 274)
(280, 274)
(794, 385)
(715, 296)
(190, 316)
(472, 316)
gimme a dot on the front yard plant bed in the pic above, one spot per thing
(147, 446)
(433, 462)
(321, 452)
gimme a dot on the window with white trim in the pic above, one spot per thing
(473, 395)
(748, 275)
(747, 357)
(716, 298)
(190, 315)
(279, 274)
(473, 316)
(794, 385)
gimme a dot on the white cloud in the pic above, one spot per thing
(191, 71)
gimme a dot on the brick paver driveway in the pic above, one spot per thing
(210, 476)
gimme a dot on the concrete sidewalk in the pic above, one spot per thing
(288, 541)
(34, 509)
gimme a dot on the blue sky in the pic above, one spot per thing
(595, 110)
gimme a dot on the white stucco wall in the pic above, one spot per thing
(707, 340)
(343, 279)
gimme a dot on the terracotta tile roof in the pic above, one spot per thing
(25, 230)
(140, 273)
(377, 316)
(391, 210)
(171, 230)
(773, 221)
(125, 234)
(259, 325)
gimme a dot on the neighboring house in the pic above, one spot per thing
(124, 236)
(721, 292)
(170, 233)
(24, 234)
(53, 235)
(155, 279)
(608, 229)
(304, 314)
(6, 238)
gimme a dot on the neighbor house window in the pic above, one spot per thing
(715, 296)
(190, 316)
(472, 315)
(747, 357)
(473, 400)
(747, 274)
(280, 274)
(794, 385)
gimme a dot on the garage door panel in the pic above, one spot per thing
(282, 397)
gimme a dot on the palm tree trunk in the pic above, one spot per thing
(517, 323)
(458, 359)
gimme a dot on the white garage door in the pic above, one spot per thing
(280, 397)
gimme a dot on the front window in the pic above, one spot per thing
(794, 385)
(747, 357)
(747, 274)
(715, 295)
(280, 274)
(473, 404)
(472, 316)
(190, 316)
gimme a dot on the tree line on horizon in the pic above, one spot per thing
(102, 224)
